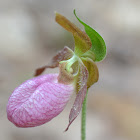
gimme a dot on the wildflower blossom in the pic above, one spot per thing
(42, 98)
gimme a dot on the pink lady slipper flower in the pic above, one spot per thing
(42, 98)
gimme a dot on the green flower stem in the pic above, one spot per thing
(83, 119)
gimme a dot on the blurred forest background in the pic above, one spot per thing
(29, 37)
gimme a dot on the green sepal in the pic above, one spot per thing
(98, 44)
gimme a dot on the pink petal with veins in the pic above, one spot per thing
(38, 100)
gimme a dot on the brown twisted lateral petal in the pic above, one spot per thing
(64, 54)
(81, 93)
(82, 41)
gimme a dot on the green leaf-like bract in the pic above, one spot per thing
(98, 44)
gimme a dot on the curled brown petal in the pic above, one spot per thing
(92, 70)
(64, 54)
